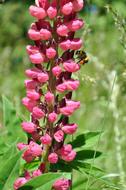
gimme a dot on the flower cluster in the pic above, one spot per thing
(50, 85)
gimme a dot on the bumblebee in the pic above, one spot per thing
(82, 57)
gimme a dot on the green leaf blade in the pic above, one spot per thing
(9, 171)
(87, 154)
(11, 123)
(44, 181)
(85, 140)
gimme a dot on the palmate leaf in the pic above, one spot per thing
(88, 168)
(86, 139)
(61, 166)
(82, 184)
(79, 162)
(96, 173)
(11, 123)
(87, 154)
(83, 167)
(9, 171)
(45, 181)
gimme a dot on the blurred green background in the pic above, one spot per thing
(103, 81)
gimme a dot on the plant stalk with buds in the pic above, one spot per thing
(49, 87)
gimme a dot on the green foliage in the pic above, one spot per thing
(31, 166)
(44, 181)
(11, 124)
(11, 133)
(87, 154)
(87, 140)
(9, 170)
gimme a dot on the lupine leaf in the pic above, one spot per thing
(87, 140)
(79, 184)
(87, 168)
(93, 171)
(9, 171)
(31, 166)
(87, 154)
(61, 166)
(13, 176)
(10, 151)
(11, 123)
(45, 181)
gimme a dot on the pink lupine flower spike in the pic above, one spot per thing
(49, 87)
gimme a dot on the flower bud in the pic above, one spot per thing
(70, 157)
(62, 30)
(45, 34)
(35, 136)
(71, 66)
(32, 73)
(27, 175)
(75, 25)
(67, 8)
(29, 127)
(68, 85)
(42, 77)
(53, 158)
(28, 103)
(52, 117)
(65, 45)
(37, 12)
(50, 53)
(37, 3)
(51, 12)
(33, 34)
(19, 182)
(67, 110)
(35, 149)
(49, 97)
(37, 58)
(72, 84)
(38, 113)
(61, 184)
(78, 5)
(46, 139)
(36, 173)
(21, 146)
(56, 71)
(76, 44)
(61, 87)
(73, 104)
(59, 135)
(66, 149)
(27, 156)
(69, 128)
(30, 84)
(32, 49)
(32, 94)
(67, 153)
(42, 3)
